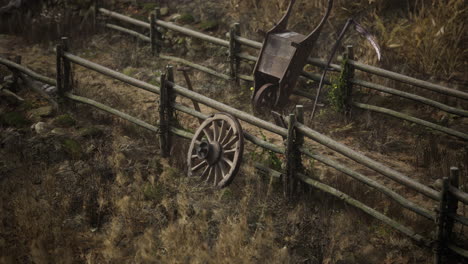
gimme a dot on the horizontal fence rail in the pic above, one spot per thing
(111, 110)
(372, 212)
(167, 25)
(411, 119)
(411, 96)
(408, 80)
(27, 71)
(129, 31)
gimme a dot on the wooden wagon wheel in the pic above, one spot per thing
(215, 153)
(265, 98)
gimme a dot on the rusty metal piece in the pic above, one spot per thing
(215, 153)
(282, 57)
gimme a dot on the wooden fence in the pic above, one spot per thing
(235, 55)
(448, 199)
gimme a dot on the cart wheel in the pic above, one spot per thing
(215, 153)
(265, 97)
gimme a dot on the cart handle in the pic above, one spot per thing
(312, 37)
(283, 23)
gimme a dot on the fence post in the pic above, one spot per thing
(291, 158)
(16, 74)
(59, 70)
(155, 35)
(452, 200)
(299, 143)
(163, 124)
(165, 111)
(95, 13)
(441, 221)
(349, 74)
(234, 49)
(66, 77)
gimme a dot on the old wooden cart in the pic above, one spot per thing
(282, 57)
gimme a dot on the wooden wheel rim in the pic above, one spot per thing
(220, 161)
(265, 98)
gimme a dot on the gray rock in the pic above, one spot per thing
(49, 89)
(164, 11)
(437, 184)
(58, 131)
(41, 128)
(175, 17)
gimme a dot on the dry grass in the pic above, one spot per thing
(429, 37)
(146, 211)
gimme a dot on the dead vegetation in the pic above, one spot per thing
(108, 198)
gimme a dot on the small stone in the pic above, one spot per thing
(90, 132)
(174, 17)
(437, 184)
(49, 89)
(58, 131)
(90, 149)
(41, 128)
(164, 11)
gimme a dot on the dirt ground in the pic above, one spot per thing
(90, 188)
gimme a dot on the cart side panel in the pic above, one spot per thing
(276, 57)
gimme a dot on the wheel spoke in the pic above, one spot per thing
(228, 135)
(222, 130)
(199, 165)
(223, 169)
(204, 171)
(231, 142)
(228, 161)
(209, 174)
(217, 176)
(215, 130)
(208, 134)
(229, 151)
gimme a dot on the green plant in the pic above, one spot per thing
(64, 120)
(209, 25)
(153, 192)
(148, 7)
(339, 88)
(186, 18)
(226, 194)
(72, 147)
(14, 119)
(272, 158)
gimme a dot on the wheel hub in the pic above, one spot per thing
(209, 152)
